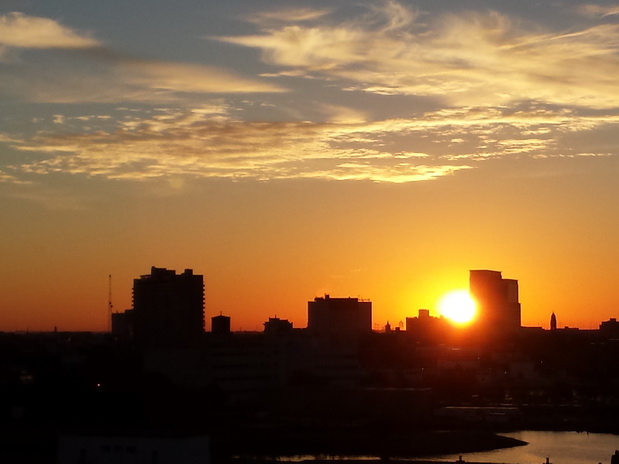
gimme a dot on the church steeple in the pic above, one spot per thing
(553, 322)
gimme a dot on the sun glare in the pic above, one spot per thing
(457, 306)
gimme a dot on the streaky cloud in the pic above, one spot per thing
(122, 78)
(593, 10)
(107, 75)
(397, 16)
(181, 77)
(208, 143)
(7, 178)
(480, 58)
(23, 31)
(289, 15)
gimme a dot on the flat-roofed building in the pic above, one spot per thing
(339, 316)
(168, 308)
(496, 298)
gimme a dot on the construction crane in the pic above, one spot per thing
(109, 303)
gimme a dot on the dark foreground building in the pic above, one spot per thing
(339, 317)
(168, 308)
(497, 301)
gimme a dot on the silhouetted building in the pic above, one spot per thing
(168, 308)
(610, 328)
(427, 329)
(122, 324)
(220, 325)
(498, 309)
(553, 322)
(339, 316)
(275, 325)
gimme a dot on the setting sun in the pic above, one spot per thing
(457, 306)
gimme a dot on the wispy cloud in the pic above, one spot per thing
(593, 10)
(343, 114)
(23, 31)
(154, 82)
(210, 145)
(7, 178)
(93, 72)
(289, 14)
(476, 58)
(208, 142)
(189, 78)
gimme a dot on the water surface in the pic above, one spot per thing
(560, 447)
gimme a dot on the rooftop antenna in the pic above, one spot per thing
(109, 303)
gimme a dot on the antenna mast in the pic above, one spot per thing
(109, 304)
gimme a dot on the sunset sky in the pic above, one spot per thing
(288, 149)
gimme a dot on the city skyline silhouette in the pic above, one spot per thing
(494, 301)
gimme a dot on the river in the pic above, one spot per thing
(560, 447)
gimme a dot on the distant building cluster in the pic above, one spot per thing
(168, 313)
(168, 308)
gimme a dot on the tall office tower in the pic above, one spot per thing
(168, 308)
(498, 309)
(339, 316)
(553, 322)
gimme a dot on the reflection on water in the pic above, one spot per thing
(560, 447)
(323, 457)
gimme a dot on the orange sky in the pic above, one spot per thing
(266, 250)
(373, 150)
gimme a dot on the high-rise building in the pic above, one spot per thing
(168, 308)
(339, 316)
(498, 309)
